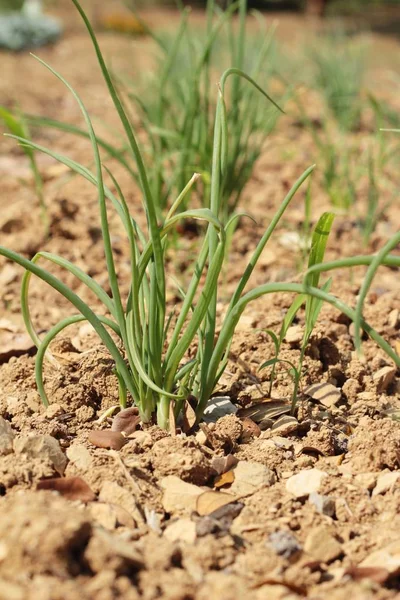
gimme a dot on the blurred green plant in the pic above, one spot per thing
(16, 124)
(339, 64)
(176, 106)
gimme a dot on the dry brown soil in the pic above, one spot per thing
(314, 506)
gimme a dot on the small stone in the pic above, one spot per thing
(182, 530)
(217, 408)
(54, 410)
(141, 438)
(103, 514)
(80, 456)
(284, 543)
(201, 437)
(367, 481)
(112, 493)
(250, 430)
(305, 483)
(42, 446)
(325, 393)
(351, 388)
(394, 318)
(285, 425)
(249, 477)
(387, 557)
(179, 496)
(325, 505)
(383, 378)
(246, 323)
(282, 442)
(6, 437)
(322, 545)
(385, 482)
(294, 335)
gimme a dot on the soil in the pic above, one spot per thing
(310, 507)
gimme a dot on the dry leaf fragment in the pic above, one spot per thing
(250, 430)
(285, 425)
(172, 421)
(224, 479)
(324, 393)
(72, 488)
(126, 420)
(189, 417)
(377, 574)
(220, 520)
(221, 464)
(208, 502)
(106, 438)
(264, 411)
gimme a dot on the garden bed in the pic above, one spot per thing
(314, 502)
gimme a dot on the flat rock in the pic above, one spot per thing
(249, 477)
(387, 557)
(42, 446)
(322, 545)
(14, 344)
(182, 530)
(284, 543)
(80, 456)
(112, 493)
(294, 334)
(325, 505)
(305, 483)
(324, 393)
(179, 496)
(383, 378)
(385, 482)
(6, 437)
(219, 407)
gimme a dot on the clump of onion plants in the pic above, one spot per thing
(152, 360)
(176, 105)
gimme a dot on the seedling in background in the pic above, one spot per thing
(339, 65)
(153, 366)
(312, 307)
(177, 107)
(17, 125)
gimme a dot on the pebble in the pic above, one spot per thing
(305, 483)
(112, 493)
(179, 496)
(387, 557)
(217, 408)
(6, 437)
(80, 456)
(325, 393)
(250, 476)
(385, 482)
(383, 378)
(182, 530)
(325, 505)
(322, 545)
(294, 334)
(284, 543)
(42, 446)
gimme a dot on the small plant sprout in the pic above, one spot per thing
(155, 369)
(17, 125)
